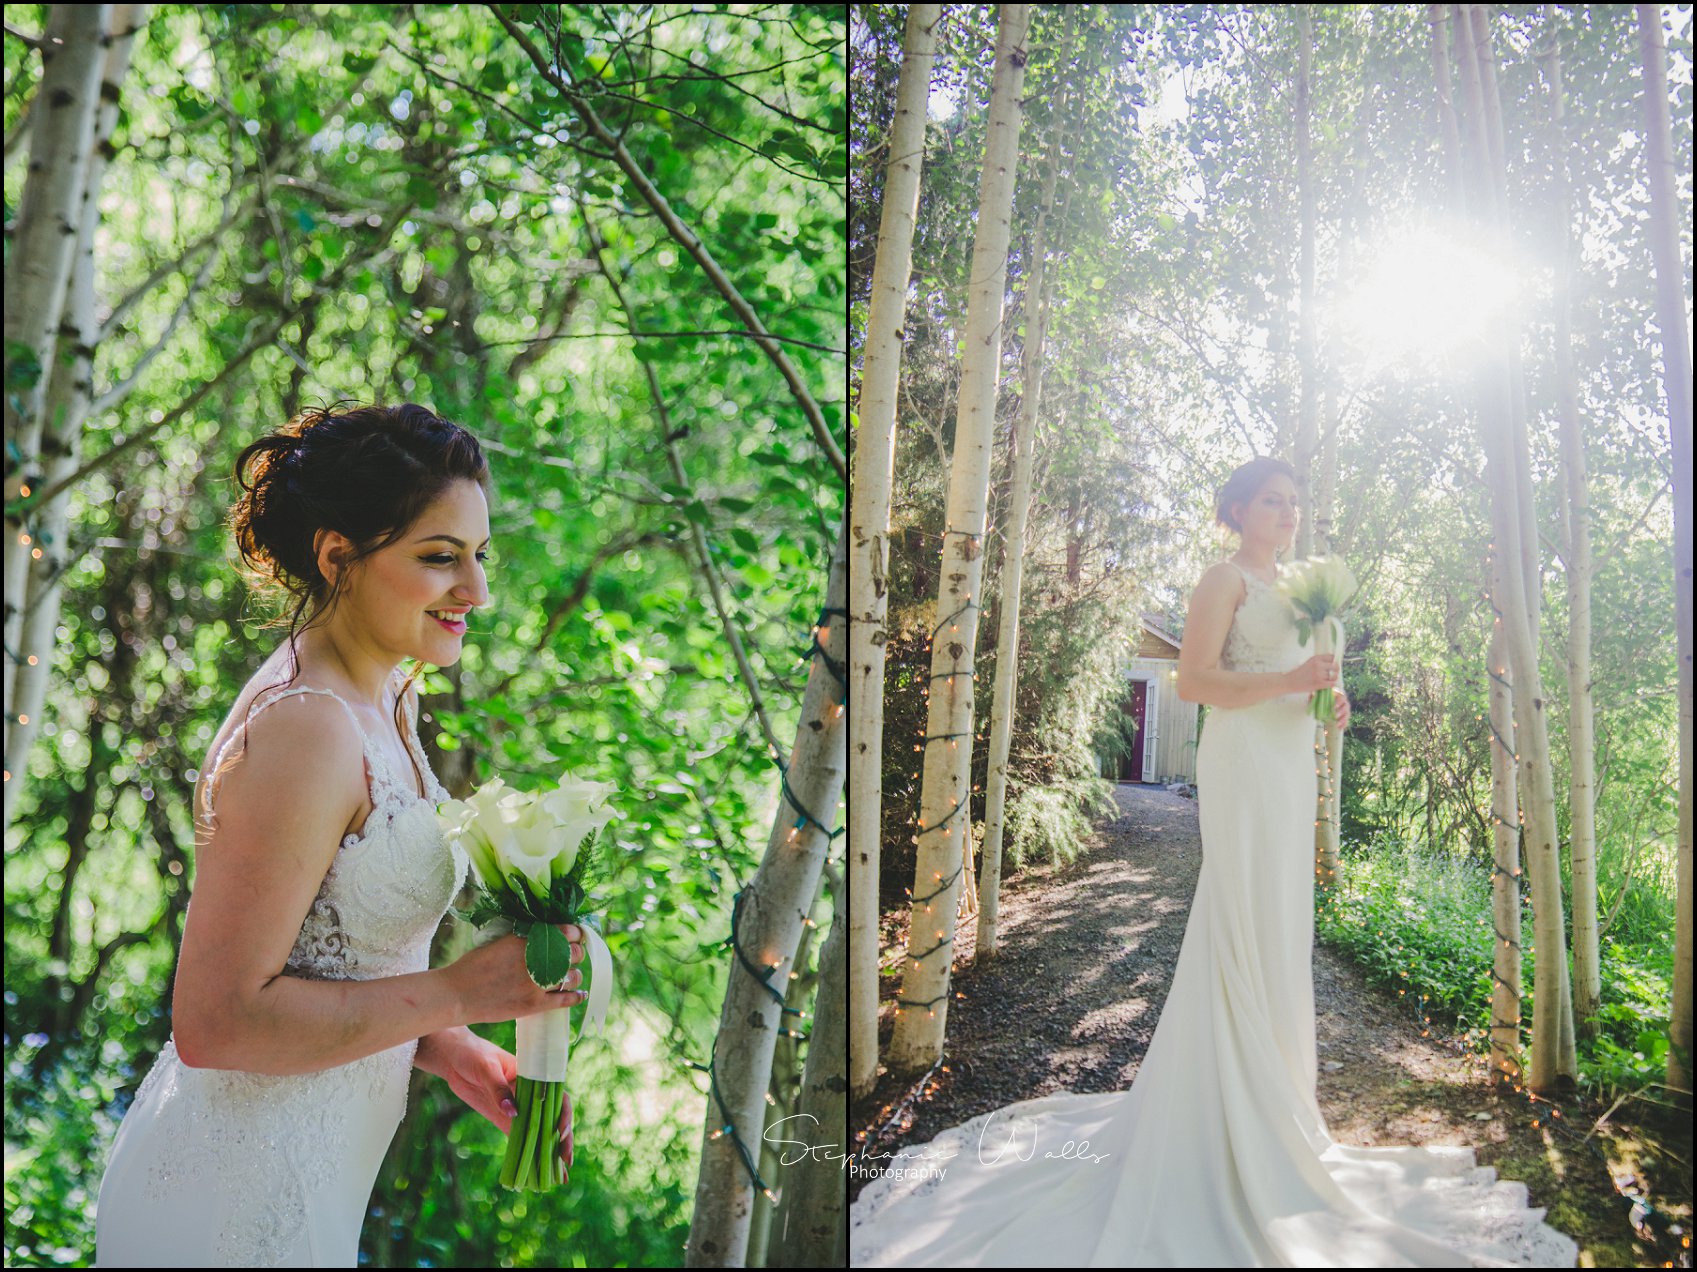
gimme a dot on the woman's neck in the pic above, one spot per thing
(1256, 558)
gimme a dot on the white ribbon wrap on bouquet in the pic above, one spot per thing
(543, 1041)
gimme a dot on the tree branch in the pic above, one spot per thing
(656, 335)
(33, 42)
(265, 334)
(704, 560)
(121, 310)
(689, 242)
(118, 392)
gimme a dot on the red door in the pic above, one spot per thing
(1136, 706)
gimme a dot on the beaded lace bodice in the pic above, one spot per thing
(1262, 636)
(270, 1140)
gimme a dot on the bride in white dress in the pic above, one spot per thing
(303, 994)
(1218, 1155)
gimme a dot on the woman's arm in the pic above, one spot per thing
(436, 1051)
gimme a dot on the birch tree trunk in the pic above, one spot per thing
(1582, 818)
(1331, 816)
(781, 1166)
(70, 392)
(869, 547)
(1497, 169)
(1507, 1064)
(44, 242)
(1526, 509)
(1328, 738)
(810, 1228)
(1676, 379)
(922, 1011)
(768, 927)
(1013, 558)
(1305, 430)
(1554, 1058)
(1437, 17)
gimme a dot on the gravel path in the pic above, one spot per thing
(1109, 927)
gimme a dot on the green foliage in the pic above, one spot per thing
(1419, 923)
(434, 245)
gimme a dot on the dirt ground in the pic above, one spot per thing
(1109, 927)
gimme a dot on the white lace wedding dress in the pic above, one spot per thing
(223, 1168)
(1218, 1155)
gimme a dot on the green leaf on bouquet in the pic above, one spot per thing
(482, 911)
(1304, 629)
(547, 955)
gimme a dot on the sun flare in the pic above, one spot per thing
(1428, 296)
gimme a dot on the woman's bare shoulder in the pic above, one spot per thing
(1222, 577)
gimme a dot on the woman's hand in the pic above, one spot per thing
(1340, 707)
(1318, 672)
(483, 1074)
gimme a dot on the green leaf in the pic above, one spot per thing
(358, 63)
(308, 120)
(1304, 629)
(190, 107)
(422, 191)
(547, 955)
(23, 368)
(732, 504)
(1097, 283)
(304, 219)
(695, 510)
(745, 539)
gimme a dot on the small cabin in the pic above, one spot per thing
(1167, 728)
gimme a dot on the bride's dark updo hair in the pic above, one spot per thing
(1242, 486)
(367, 473)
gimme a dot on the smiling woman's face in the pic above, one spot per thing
(389, 597)
(1272, 516)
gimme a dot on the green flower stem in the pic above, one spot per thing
(533, 1137)
(532, 1160)
(551, 1138)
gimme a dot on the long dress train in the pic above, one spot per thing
(1218, 1155)
(225, 1168)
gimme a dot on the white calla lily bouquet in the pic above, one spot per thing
(1317, 588)
(533, 854)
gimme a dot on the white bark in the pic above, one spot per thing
(43, 246)
(68, 405)
(869, 547)
(1554, 1057)
(773, 908)
(1582, 815)
(811, 1225)
(1038, 302)
(1676, 380)
(946, 790)
(1506, 1060)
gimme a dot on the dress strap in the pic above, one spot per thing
(217, 773)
